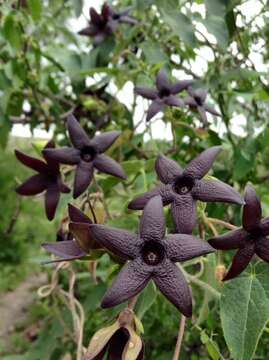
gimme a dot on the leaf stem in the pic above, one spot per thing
(179, 337)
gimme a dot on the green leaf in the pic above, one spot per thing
(244, 311)
(180, 24)
(35, 7)
(78, 5)
(5, 127)
(12, 32)
(216, 25)
(153, 53)
(145, 300)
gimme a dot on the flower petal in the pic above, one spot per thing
(89, 31)
(134, 347)
(67, 250)
(190, 101)
(65, 155)
(109, 166)
(95, 17)
(215, 191)
(262, 249)
(200, 165)
(33, 163)
(211, 110)
(117, 344)
(231, 240)
(83, 177)
(52, 198)
(120, 242)
(52, 164)
(162, 81)
(76, 215)
(36, 184)
(128, 20)
(264, 226)
(180, 86)
(200, 94)
(202, 114)
(174, 101)
(152, 223)
(140, 202)
(183, 210)
(174, 287)
(147, 93)
(167, 169)
(252, 211)
(78, 136)
(182, 247)
(154, 108)
(131, 280)
(83, 235)
(103, 141)
(240, 261)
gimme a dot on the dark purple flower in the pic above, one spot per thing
(73, 248)
(250, 239)
(48, 179)
(105, 24)
(86, 154)
(196, 101)
(182, 188)
(164, 94)
(118, 341)
(151, 255)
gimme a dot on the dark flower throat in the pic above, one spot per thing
(88, 153)
(153, 253)
(183, 185)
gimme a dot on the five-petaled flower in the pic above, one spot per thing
(152, 256)
(182, 188)
(105, 24)
(73, 248)
(86, 154)
(196, 101)
(48, 179)
(164, 95)
(250, 239)
(119, 340)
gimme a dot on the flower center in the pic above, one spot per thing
(153, 253)
(164, 93)
(183, 184)
(88, 153)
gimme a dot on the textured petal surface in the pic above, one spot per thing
(131, 280)
(120, 242)
(231, 240)
(252, 211)
(83, 235)
(78, 136)
(83, 177)
(65, 155)
(140, 202)
(154, 108)
(109, 166)
(33, 163)
(152, 223)
(180, 86)
(162, 81)
(240, 261)
(183, 210)
(262, 249)
(264, 225)
(53, 165)
(147, 93)
(173, 285)
(174, 101)
(182, 247)
(200, 165)
(68, 250)
(32, 186)
(76, 215)
(167, 169)
(52, 198)
(103, 141)
(215, 191)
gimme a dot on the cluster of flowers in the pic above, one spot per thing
(151, 254)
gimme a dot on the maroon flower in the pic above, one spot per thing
(104, 25)
(151, 255)
(182, 188)
(86, 155)
(250, 239)
(73, 248)
(48, 179)
(196, 101)
(164, 94)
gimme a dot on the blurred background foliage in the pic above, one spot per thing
(47, 71)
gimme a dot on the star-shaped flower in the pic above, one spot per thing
(196, 101)
(86, 154)
(164, 94)
(104, 25)
(152, 256)
(118, 341)
(48, 179)
(250, 239)
(182, 188)
(73, 248)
